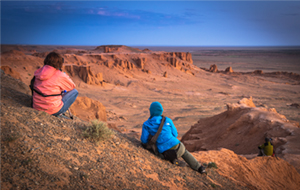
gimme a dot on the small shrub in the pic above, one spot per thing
(97, 131)
(212, 165)
(213, 185)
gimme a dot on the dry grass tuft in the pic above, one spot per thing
(97, 131)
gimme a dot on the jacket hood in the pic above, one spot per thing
(156, 109)
(45, 72)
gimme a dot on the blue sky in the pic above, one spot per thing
(152, 23)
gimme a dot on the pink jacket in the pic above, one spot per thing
(49, 80)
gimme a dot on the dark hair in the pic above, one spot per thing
(55, 60)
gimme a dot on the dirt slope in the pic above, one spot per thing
(40, 151)
(258, 173)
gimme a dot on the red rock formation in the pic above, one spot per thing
(165, 74)
(184, 56)
(160, 56)
(229, 70)
(189, 58)
(241, 128)
(85, 73)
(140, 62)
(98, 57)
(174, 62)
(88, 109)
(146, 50)
(146, 71)
(109, 48)
(248, 102)
(124, 64)
(109, 63)
(213, 68)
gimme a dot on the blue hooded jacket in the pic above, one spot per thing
(168, 136)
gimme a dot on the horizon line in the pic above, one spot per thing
(157, 45)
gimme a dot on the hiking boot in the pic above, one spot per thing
(63, 116)
(201, 170)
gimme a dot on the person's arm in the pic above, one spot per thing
(145, 135)
(66, 82)
(173, 128)
(261, 146)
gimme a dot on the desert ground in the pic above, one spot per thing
(118, 83)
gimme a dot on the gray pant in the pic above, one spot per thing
(186, 155)
(188, 158)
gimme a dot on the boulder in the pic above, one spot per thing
(213, 68)
(247, 101)
(165, 74)
(229, 70)
(146, 71)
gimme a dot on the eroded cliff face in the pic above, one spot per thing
(88, 64)
(85, 73)
(113, 57)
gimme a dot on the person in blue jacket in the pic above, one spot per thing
(167, 143)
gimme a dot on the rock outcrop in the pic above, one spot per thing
(184, 56)
(242, 128)
(174, 62)
(213, 68)
(140, 62)
(88, 109)
(109, 49)
(229, 70)
(125, 64)
(165, 74)
(85, 73)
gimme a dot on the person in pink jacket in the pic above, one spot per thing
(50, 83)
